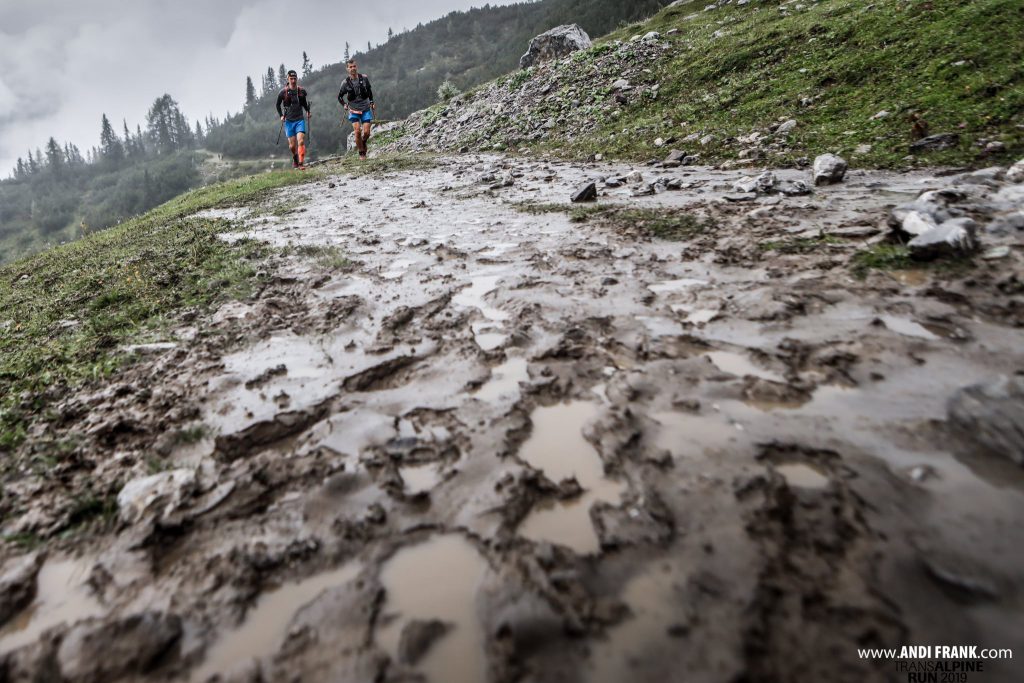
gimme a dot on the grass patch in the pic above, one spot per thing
(881, 257)
(350, 164)
(800, 245)
(329, 257)
(668, 224)
(66, 311)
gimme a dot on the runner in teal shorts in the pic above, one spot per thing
(360, 105)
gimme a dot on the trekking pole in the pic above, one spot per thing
(279, 131)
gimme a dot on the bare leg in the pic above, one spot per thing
(302, 148)
(366, 135)
(292, 146)
(359, 137)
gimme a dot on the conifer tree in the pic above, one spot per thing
(269, 82)
(250, 91)
(347, 55)
(307, 66)
(282, 77)
(109, 143)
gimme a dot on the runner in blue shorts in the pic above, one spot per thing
(294, 101)
(360, 105)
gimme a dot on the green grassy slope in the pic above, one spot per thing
(831, 65)
(64, 312)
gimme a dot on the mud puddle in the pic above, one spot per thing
(556, 446)
(63, 596)
(436, 579)
(265, 627)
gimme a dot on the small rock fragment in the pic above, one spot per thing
(587, 193)
(935, 143)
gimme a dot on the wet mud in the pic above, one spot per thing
(504, 444)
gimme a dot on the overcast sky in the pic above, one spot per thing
(63, 63)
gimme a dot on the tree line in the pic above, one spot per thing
(60, 192)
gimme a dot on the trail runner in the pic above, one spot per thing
(294, 101)
(360, 105)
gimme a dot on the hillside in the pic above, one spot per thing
(466, 48)
(716, 81)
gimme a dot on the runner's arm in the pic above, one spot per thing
(280, 99)
(341, 96)
(304, 102)
(369, 92)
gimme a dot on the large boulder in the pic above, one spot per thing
(554, 44)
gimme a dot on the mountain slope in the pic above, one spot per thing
(718, 82)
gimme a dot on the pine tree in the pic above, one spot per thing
(250, 91)
(54, 157)
(269, 82)
(109, 143)
(20, 171)
(368, 48)
(32, 166)
(307, 66)
(282, 77)
(199, 133)
(391, 34)
(347, 55)
(129, 144)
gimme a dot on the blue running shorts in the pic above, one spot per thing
(365, 117)
(293, 128)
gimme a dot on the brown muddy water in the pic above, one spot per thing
(501, 445)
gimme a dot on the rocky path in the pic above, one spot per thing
(504, 445)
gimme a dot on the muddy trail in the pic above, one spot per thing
(508, 441)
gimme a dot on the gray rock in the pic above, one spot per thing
(935, 204)
(762, 184)
(786, 127)
(955, 237)
(935, 143)
(417, 638)
(18, 584)
(991, 415)
(793, 188)
(555, 44)
(587, 193)
(916, 223)
(1007, 224)
(621, 84)
(644, 190)
(828, 169)
(95, 652)
(1016, 172)
(634, 177)
(614, 181)
(880, 115)
(651, 35)
(996, 253)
